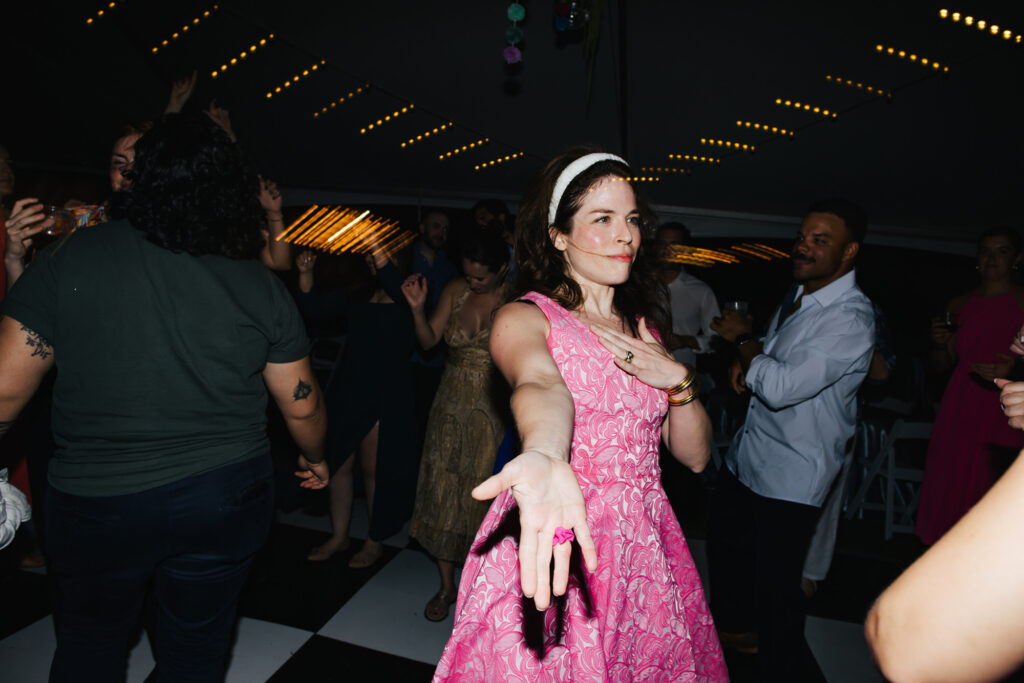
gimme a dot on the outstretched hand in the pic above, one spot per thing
(549, 496)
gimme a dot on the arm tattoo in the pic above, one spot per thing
(302, 391)
(40, 347)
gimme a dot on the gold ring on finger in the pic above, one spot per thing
(629, 357)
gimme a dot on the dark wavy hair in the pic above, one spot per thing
(485, 246)
(192, 190)
(543, 268)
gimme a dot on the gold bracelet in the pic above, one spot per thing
(694, 391)
(681, 387)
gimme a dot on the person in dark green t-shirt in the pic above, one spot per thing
(167, 334)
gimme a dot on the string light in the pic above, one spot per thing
(427, 133)
(902, 54)
(242, 55)
(295, 79)
(499, 160)
(774, 130)
(100, 13)
(859, 86)
(733, 254)
(459, 150)
(803, 106)
(358, 91)
(184, 29)
(727, 143)
(981, 24)
(665, 169)
(694, 157)
(387, 118)
(359, 232)
(642, 179)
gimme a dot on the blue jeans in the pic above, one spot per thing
(190, 541)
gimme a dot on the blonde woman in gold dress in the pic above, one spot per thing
(466, 422)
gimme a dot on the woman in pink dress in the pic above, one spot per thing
(594, 392)
(971, 443)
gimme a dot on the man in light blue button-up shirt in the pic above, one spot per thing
(803, 377)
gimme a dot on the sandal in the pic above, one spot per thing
(438, 606)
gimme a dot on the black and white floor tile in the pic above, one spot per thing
(303, 621)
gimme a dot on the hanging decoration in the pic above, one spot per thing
(101, 12)
(426, 134)
(665, 169)
(514, 34)
(694, 157)
(980, 24)
(242, 55)
(386, 119)
(360, 232)
(859, 86)
(459, 150)
(902, 54)
(352, 93)
(774, 130)
(570, 15)
(499, 160)
(184, 29)
(806, 107)
(728, 143)
(295, 78)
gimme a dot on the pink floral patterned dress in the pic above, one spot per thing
(642, 615)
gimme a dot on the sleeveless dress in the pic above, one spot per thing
(642, 615)
(971, 443)
(464, 430)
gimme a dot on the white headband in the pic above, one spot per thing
(570, 173)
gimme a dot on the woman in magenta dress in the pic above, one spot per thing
(594, 392)
(971, 442)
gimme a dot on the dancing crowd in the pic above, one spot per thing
(510, 398)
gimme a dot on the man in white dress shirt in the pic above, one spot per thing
(693, 303)
(803, 377)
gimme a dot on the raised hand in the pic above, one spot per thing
(26, 219)
(219, 115)
(643, 358)
(549, 496)
(415, 290)
(731, 325)
(181, 90)
(270, 196)
(305, 261)
(941, 335)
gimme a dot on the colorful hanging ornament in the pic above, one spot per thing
(514, 34)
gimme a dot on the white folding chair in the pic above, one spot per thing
(898, 483)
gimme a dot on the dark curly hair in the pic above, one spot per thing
(192, 190)
(543, 268)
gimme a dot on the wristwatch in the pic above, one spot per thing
(742, 339)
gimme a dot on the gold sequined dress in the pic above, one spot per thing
(464, 430)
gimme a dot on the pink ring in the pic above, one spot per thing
(562, 535)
